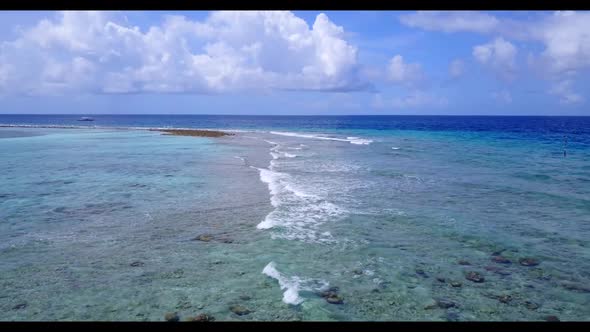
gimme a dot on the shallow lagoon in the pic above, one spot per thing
(99, 224)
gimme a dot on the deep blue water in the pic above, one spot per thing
(575, 126)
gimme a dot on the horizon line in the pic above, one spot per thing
(309, 115)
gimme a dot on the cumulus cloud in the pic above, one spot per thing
(500, 55)
(100, 52)
(451, 21)
(565, 36)
(409, 74)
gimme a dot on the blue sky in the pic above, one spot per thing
(302, 62)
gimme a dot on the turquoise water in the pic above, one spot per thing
(99, 224)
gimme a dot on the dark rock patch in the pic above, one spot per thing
(203, 237)
(474, 276)
(194, 132)
(502, 298)
(441, 279)
(452, 316)
(176, 274)
(60, 209)
(239, 310)
(201, 318)
(172, 317)
(245, 298)
(445, 303)
(456, 284)
(421, 273)
(331, 296)
(19, 306)
(334, 299)
(463, 262)
(576, 287)
(498, 253)
(528, 261)
(137, 264)
(501, 260)
(531, 305)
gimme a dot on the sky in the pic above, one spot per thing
(301, 62)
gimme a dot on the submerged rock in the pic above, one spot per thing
(204, 238)
(452, 316)
(201, 318)
(474, 276)
(531, 305)
(445, 303)
(440, 279)
(498, 252)
(504, 298)
(576, 287)
(331, 296)
(245, 297)
(137, 264)
(431, 305)
(172, 317)
(239, 310)
(463, 262)
(501, 260)
(334, 299)
(19, 306)
(456, 284)
(528, 261)
(421, 273)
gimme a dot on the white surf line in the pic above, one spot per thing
(350, 139)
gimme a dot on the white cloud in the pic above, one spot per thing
(415, 99)
(451, 21)
(456, 68)
(408, 74)
(500, 55)
(101, 52)
(564, 91)
(565, 36)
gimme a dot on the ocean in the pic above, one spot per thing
(313, 218)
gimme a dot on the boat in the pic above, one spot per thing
(85, 119)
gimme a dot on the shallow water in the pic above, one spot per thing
(99, 224)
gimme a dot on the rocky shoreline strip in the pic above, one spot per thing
(193, 132)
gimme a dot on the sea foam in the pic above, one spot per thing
(297, 212)
(292, 285)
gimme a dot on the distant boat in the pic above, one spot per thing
(85, 119)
